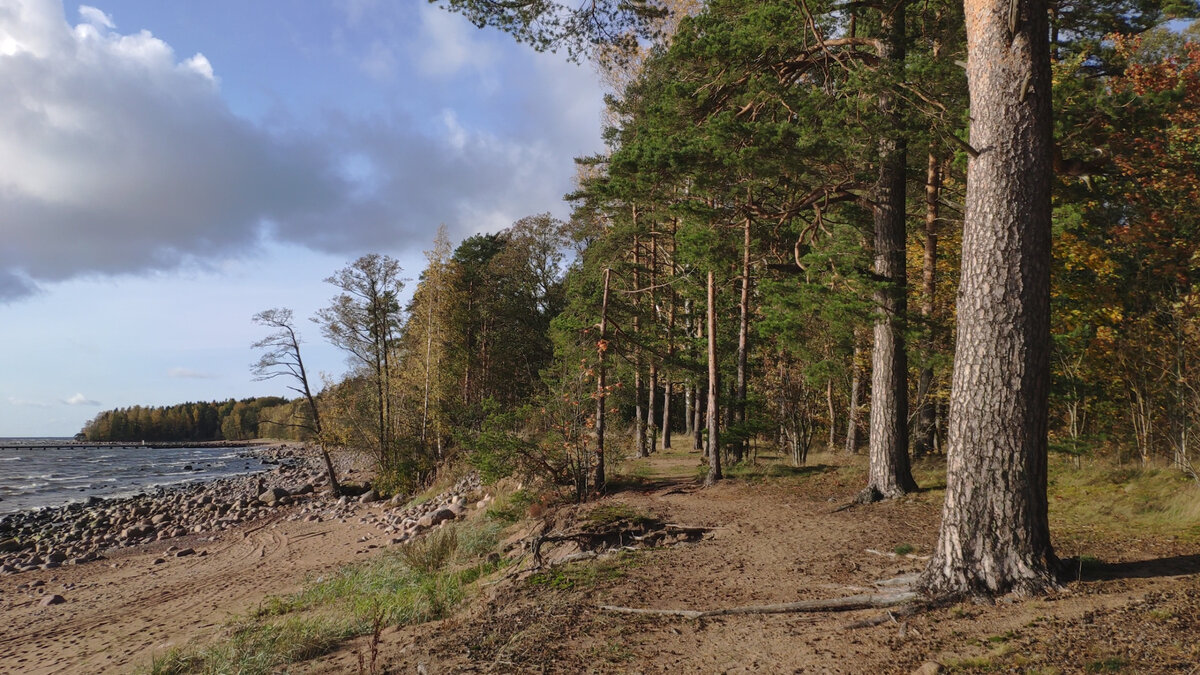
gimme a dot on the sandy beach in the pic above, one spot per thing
(115, 613)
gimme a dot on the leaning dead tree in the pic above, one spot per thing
(281, 358)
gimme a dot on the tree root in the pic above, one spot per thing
(846, 604)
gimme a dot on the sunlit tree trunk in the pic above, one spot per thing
(714, 445)
(995, 536)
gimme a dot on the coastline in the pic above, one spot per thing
(138, 600)
(81, 532)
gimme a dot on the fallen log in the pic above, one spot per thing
(845, 604)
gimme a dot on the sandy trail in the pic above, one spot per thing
(122, 611)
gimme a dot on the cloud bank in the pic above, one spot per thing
(119, 156)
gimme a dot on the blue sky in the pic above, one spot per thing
(167, 169)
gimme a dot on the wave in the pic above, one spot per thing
(10, 459)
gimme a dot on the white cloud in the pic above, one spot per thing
(96, 17)
(115, 156)
(119, 156)
(80, 399)
(189, 374)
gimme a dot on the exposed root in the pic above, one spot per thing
(846, 604)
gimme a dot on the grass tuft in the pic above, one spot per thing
(421, 581)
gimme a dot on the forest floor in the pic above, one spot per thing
(776, 536)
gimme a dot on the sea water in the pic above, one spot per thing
(35, 477)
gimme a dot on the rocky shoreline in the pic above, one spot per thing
(84, 531)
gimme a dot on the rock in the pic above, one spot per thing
(9, 545)
(305, 489)
(56, 557)
(368, 497)
(159, 561)
(458, 509)
(270, 497)
(185, 552)
(159, 519)
(441, 515)
(52, 600)
(928, 668)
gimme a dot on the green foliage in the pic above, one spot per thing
(230, 420)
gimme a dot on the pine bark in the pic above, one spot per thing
(599, 481)
(639, 425)
(995, 536)
(743, 337)
(714, 445)
(890, 474)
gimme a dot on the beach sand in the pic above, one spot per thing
(119, 612)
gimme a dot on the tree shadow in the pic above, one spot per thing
(1179, 565)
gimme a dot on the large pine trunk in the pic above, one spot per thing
(995, 537)
(890, 474)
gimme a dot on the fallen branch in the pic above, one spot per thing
(846, 604)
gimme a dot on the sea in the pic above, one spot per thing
(32, 478)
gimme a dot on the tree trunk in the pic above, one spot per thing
(743, 337)
(995, 536)
(666, 414)
(926, 416)
(855, 401)
(639, 424)
(890, 475)
(689, 406)
(652, 385)
(601, 388)
(714, 446)
(832, 413)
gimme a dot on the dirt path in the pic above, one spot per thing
(122, 611)
(782, 540)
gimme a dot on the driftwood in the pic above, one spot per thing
(845, 604)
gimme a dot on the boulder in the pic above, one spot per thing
(368, 497)
(272, 496)
(52, 600)
(441, 515)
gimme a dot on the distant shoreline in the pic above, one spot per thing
(34, 444)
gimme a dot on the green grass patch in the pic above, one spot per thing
(253, 647)
(1122, 502)
(420, 581)
(606, 515)
(904, 549)
(585, 575)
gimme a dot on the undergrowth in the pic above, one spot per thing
(423, 580)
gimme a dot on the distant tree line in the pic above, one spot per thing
(230, 420)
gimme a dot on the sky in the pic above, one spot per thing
(168, 169)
